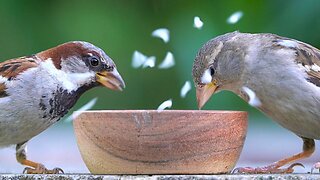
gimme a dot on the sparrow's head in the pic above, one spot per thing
(84, 64)
(217, 65)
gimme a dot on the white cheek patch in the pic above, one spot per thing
(73, 64)
(70, 81)
(168, 61)
(81, 78)
(206, 77)
(162, 33)
(165, 104)
(48, 67)
(253, 99)
(288, 43)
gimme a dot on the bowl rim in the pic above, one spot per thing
(118, 111)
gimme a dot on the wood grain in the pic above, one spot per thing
(166, 142)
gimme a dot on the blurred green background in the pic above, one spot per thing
(122, 26)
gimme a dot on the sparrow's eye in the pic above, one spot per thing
(212, 71)
(94, 61)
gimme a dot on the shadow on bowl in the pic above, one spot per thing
(160, 142)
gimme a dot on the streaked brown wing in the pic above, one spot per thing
(13, 67)
(306, 55)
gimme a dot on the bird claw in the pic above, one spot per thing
(41, 169)
(266, 170)
(315, 166)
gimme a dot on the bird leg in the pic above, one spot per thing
(308, 149)
(34, 168)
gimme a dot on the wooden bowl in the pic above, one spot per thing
(160, 142)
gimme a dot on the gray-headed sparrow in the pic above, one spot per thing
(36, 91)
(279, 76)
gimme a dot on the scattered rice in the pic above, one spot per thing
(253, 99)
(168, 61)
(197, 23)
(235, 17)
(185, 89)
(150, 62)
(162, 33)
(139, 59)
(165, 104)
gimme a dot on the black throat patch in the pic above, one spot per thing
(62, 101)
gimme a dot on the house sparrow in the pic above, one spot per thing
(277, 75)
(38, 90)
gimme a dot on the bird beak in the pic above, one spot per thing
(111, 80)
(205, 92)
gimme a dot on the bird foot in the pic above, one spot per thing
(315, 166)
(266, 170)
(41, 169)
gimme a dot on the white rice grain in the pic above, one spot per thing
(150, 62)
(162, 33)
(253, 99)
(165, 104)
(168, 61)
(185, 89)
(235, 17)
(197, 23)
(138, 59)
